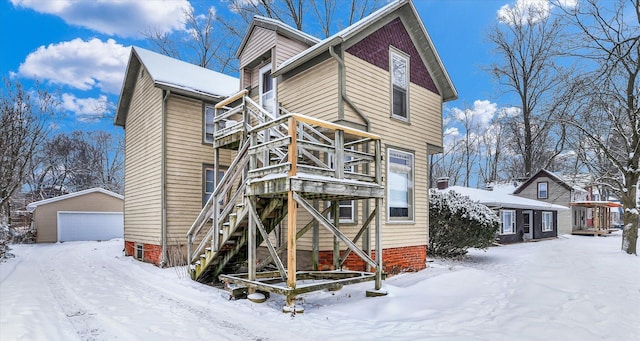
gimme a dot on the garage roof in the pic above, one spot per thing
(32, 206)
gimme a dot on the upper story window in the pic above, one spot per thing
(508, 218)
(399, 69)
(400, 185)
(266, 88)
(543, 192)
(209, 114)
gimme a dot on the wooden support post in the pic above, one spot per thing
(251, 246)
(378, 246)
(292, 222)
(315, 240)
(335, 211)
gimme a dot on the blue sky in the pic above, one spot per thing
(80, 48)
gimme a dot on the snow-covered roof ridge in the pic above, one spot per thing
(32, 206)
(173, 72)
(497, 199)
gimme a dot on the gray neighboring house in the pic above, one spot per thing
(521, 219)
(548, 187)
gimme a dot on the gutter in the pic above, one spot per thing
(342, 87)
(163, 188)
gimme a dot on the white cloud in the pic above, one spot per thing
(525, 11)
(481, 113)
(86, 109)
(125, 18)
(79, 64)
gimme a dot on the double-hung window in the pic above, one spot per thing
(547, 221)
(399, 69)
(508, 218)
(209, 114)
(346, 207)
(543, 192)
(266, 88)
(400, 185)
(208, 185)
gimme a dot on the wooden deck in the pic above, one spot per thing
(284, 164)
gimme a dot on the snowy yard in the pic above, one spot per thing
(572, 288)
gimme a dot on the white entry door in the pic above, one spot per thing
(76, 226)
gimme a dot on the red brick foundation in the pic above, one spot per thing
(395, 260)
(151, 253)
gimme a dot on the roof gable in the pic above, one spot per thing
(374, 49)
(32, 206)
(377, 19)
(539, 174)
(174, 74)
(278, 26)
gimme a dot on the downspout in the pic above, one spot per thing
(342, 87)
(163, 171)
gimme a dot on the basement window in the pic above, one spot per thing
(140, 251)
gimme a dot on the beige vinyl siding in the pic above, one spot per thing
(185, 156)
(260, 41)
(313, 92)
(425, 115)
(287, 48)
(143, 140)
(46, 216)
(369, 87)
(557, 194)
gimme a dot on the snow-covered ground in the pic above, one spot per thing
(572, 288)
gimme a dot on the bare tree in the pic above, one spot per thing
(24, 124)
(77, 161)
(607, 109)
(526, 43)
(204, 41)
(211, 40)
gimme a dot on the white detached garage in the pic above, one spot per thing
(92, 214)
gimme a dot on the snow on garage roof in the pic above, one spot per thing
(497, 199)
(32, 206)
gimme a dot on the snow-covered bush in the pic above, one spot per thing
(456, 223)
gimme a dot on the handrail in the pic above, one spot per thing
(232, 99)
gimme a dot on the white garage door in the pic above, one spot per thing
(74, 226)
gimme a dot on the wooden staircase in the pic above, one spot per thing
(281, 165)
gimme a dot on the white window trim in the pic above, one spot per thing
(351, 220)
(412, 196)
(394, 51)
(204, 123)
(513, 222)
(263, 70)
(550, 227)
(546, 190)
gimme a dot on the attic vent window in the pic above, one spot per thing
(142, 73)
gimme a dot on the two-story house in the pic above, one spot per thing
(323, 154)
